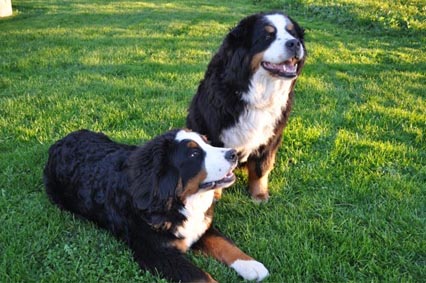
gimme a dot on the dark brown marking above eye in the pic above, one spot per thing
(269, 29)
(192, 144)
(289, 27)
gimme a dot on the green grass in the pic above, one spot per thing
(348, 190)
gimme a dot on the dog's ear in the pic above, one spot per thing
(238, 68)
(153, 181)
(167, 185)
(236, 50)
(240, 33)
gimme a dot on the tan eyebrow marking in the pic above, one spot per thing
(192, 144)
(269, 29)
(289, 26)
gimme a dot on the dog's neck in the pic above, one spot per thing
(267, 92)
(197, 221)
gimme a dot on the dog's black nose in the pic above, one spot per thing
(293, 45)
(231, 155)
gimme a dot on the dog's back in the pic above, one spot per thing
(85, 169)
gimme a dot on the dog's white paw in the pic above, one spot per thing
(250, 269)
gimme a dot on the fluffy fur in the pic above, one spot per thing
(245, 98)
(158, 198)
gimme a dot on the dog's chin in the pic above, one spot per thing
(225, 182)
(285, 70)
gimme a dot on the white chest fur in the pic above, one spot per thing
(266, 99)
(197, 223)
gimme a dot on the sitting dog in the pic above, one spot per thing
(245, 98)
(158, 198)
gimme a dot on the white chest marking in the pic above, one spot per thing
(197, 223)
(267, 99)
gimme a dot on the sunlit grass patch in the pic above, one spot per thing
(348, 188)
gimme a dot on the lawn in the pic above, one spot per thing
(349, 187)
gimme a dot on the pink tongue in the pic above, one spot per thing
(282, 67)
(288, 68)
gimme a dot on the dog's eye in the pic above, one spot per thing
(270, 35)
(194, 153)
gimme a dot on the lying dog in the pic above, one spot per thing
(245, 98)
(157, 198)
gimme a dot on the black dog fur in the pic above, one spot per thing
(219, 103)
(139, 194)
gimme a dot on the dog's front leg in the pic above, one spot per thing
(215, 244)
(259, 167)
(170, 263)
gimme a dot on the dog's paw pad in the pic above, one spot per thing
(250, 269)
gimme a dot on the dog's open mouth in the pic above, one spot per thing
(286, 69)
(225, 182)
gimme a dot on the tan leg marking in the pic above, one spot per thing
(213, 243)
(258, 187)
(222, 249)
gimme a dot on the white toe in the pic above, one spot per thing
(250, 269)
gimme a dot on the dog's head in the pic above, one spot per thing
(174, 166)
(202, 166)
(272, 43)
